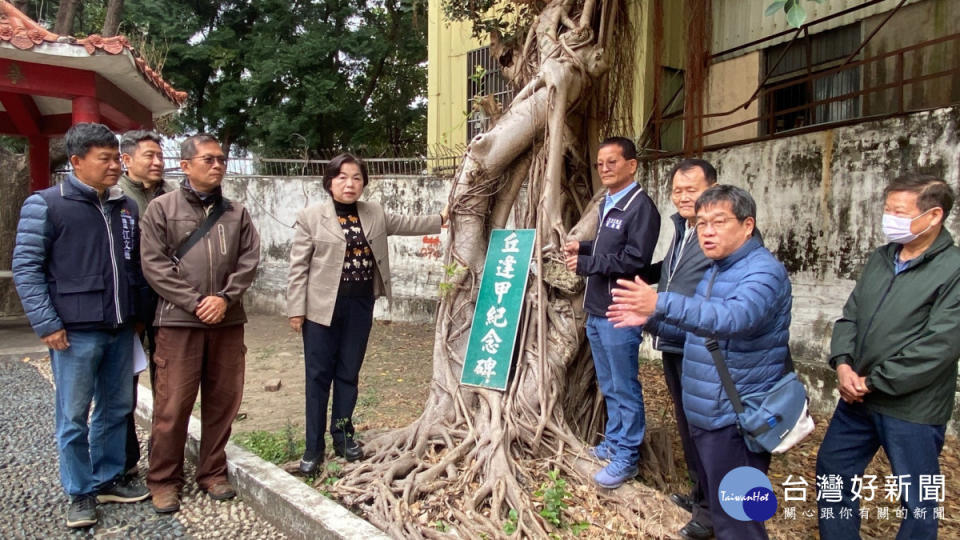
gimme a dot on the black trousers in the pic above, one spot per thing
(720, 451)
(333, 356)
(673, 373)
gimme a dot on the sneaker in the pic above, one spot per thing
(615, 474)
(122, 490)
(602, 451)
(221, 491)
(82, 512)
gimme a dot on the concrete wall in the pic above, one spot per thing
(819, 200)
(415, 262)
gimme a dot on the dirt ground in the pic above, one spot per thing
(394, 384)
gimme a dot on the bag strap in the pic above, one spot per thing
(218, 209)
(728, 386)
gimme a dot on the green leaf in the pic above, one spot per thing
(796, 15)
(774, 7)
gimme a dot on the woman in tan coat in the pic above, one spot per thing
(339, 264)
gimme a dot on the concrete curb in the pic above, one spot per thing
(287, 503)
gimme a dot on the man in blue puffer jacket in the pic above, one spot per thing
(76, 266)
(748, 312)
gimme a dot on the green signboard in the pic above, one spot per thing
(493, 334)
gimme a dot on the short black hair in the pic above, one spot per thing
(709, 173)
(130, 140)
(741, 202)
(627, 149)
(80, 138)
(333, 169)
(932, 192)
(188, 148)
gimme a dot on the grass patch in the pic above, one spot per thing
(276, 447)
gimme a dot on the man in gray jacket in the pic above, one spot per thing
(680, 272)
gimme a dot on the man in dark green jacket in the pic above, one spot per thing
(895, 351)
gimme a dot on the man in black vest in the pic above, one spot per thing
(680, 272)
(76, 266)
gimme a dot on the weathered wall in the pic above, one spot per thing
(729, 85)
(415, 262)
(819, 199)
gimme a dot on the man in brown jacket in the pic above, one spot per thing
(199, 319)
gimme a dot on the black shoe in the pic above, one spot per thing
(694, 530)
(82, 512)
(308, 467)
(349, 449)
(122, 490)
(683, 501)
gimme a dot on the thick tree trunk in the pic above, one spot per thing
(472, 457)
(111, 23)
(65, 17)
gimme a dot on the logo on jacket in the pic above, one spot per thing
(746, 494)
(613, 223)
(127, 230)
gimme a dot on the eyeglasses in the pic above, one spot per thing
(210, 159)
(716, 223)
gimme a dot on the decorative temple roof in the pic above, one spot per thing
(25, 34)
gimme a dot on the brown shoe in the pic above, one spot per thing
(165, 502)
(221, 491)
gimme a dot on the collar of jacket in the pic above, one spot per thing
(943, 241)
(194, 198)
(129, 183)
(329, 214)
(751, 244)
(624, 201)
(73, 188)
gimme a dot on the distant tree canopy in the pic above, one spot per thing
(279, 76)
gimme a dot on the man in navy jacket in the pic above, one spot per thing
(627, 232)
(744, 302)
(76, 267)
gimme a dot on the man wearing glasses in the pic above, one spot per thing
(627, 231)
(743, 301)
(200, 254)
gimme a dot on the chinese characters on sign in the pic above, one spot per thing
(496, 317)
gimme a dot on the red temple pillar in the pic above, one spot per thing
(39, 162)
(85, 109)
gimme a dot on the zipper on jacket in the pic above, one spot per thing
(113, 262)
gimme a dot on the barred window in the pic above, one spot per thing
(484, 78)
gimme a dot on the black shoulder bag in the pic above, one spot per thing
(218, 209)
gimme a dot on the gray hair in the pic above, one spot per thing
(130, 140)
(188, 148)
(741, 202)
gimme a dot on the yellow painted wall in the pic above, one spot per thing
(729, 85)
(447, 47)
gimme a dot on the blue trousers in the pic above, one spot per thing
(333, 356)
(853, 438)
(97, 367)
(615, 353)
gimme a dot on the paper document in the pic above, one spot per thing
(139, 356)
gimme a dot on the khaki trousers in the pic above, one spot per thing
(210, 360)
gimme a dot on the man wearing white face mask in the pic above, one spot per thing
(895, 350)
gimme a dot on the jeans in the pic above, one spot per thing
(333, 356)
(853, 438)
(97, 367)
(615, 353)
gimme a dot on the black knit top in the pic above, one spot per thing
(358, 261)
